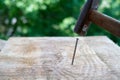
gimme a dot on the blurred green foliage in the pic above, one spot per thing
(49, 17)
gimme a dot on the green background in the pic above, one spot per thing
(50, 17)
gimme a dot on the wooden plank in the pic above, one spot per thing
(2, 43)
(107, 51)
(50, 59)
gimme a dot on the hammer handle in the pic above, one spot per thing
(105, 22)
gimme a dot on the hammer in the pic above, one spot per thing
(89, 14)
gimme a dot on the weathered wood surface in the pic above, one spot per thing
(107, 51)
(2, 44)
(50, 59)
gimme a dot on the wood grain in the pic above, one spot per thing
(50, 59)
(2, 44)
(108, 52)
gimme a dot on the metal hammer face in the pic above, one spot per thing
(89, 14)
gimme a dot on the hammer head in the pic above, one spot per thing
(83, 22)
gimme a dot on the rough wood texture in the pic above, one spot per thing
(107, 51)
(2, 44)
(50, 59)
